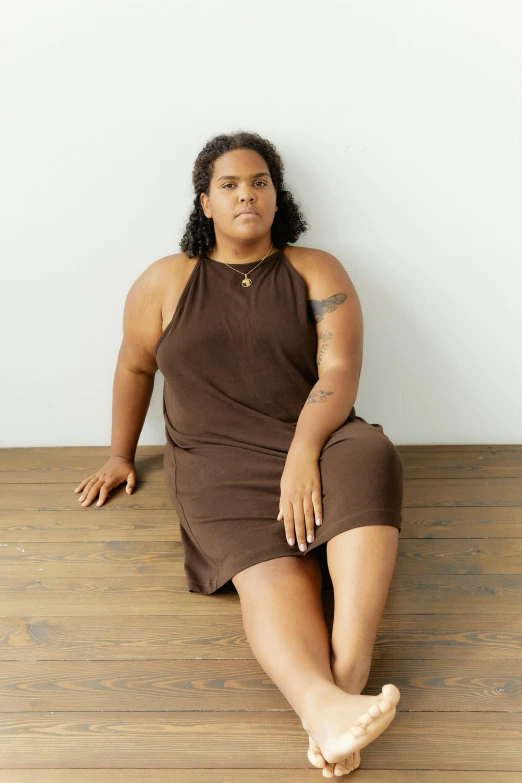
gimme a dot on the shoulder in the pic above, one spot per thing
(319, 268)
(148, 291)
(162, 276)
(162, 270)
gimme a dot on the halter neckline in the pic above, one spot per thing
(243, 263)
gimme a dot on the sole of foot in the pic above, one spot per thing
(315, 757)
(371, 716)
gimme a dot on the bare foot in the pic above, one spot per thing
(315, 757)
(336, 769)
(343, 723)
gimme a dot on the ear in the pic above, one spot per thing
(201, 201)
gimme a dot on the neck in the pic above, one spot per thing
(241, 254)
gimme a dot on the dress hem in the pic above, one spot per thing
(373, 516)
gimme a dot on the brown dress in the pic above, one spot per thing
(238, 365)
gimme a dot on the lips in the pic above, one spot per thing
(247, 212)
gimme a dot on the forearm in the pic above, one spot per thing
(327, 407)
(131, 398)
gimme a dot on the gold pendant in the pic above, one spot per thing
(246, 282)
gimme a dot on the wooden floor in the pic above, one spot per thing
(112, 671)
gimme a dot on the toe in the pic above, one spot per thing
(346, 766)
(314, 754)
(316, 759)
(391, 693)
(374, 711)
(328, 771)
(365, 719)
(358, 731)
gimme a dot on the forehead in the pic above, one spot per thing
(245, 162)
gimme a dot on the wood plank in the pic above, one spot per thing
(454, 556)
(153, 496)
(453, 594)
(433, 637)
(245, 776)
(95, 559)
(128, 524)
(461, 522)
(444, 686)
(125, 525)
(109, 619)
(414, 740)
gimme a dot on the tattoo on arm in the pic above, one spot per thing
(324, 335)
(319, 395)
(321, 306)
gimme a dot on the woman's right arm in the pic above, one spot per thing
(133, 385)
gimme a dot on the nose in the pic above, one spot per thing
(246, 198)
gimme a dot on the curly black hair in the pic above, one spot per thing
(199, 237)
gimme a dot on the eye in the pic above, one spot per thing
(233, 183)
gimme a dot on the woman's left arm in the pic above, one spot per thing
(340, 328)
(327, 407)
(339, 322)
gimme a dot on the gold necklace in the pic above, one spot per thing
(246, 281)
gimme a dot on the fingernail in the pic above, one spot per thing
(318, 522)
(302, 547)
(310, 538)
(290, 541)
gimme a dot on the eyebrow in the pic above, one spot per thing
(230, 176)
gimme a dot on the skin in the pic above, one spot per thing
(240, 240)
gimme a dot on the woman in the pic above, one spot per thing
(261, 373)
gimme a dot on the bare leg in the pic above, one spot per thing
(353, 760)
(284, 623)
(285, 626)
(361, 563)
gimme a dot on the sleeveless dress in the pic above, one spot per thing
(238, 365)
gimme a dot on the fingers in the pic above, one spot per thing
(104, 491)
(92, 488)
(131, 482)
(299, 517)
(85, 487)
(318, 507)
(307, 521)
(84, 482)
(289, 526)
(108, 477)
(90, 492)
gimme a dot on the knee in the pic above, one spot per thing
(260, 576)
(385, 455)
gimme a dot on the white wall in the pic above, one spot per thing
(400, 127)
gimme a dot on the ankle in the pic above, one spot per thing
(314, 702)
(352, 678)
